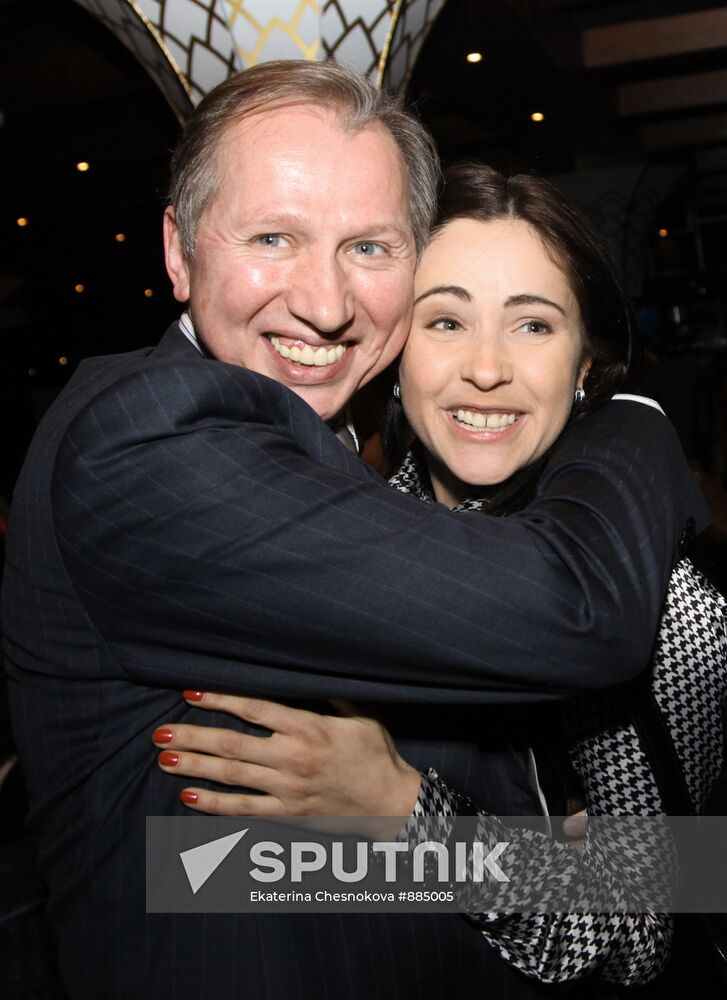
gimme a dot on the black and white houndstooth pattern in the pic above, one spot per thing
(689, 683)
(690, 677)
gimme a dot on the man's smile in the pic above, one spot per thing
(304, 354)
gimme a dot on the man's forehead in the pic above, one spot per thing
(289, 145)
(301, 119)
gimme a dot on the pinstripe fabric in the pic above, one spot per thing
(182, 523)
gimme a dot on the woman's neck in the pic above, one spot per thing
(447, 488)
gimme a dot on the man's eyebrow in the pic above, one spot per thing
(277, 220)
(281, 220)
(456, 290)
(525, 299)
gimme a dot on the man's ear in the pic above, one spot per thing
(177, 265)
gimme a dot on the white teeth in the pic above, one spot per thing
(306, 355)
(484, 421)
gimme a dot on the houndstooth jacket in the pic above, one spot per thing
(689, 685)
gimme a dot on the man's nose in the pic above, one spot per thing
(487, 363)
(321, 297)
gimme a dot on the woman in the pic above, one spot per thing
(520, 326)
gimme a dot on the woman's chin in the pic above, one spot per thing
(483, 473)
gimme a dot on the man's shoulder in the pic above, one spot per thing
(161, 379)
(161, 392)
(94, 374)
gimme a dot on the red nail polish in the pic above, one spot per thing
(193, 695)
(163, 736)
(168, 759)
(189, 797)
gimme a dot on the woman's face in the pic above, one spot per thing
(494, 355)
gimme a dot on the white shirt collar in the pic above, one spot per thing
(187, 327)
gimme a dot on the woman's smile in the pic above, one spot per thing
(485, 424)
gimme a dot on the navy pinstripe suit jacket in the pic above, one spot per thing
(184, 523)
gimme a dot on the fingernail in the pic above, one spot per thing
(168, 759)
(190, 797)
(163, 736)
(193, 695)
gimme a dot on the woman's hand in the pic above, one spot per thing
(311, 765)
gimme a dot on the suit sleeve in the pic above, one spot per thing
(219, 535)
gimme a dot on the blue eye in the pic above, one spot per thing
(270, 240)
(366, 249)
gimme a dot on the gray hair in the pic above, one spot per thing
(194, 174)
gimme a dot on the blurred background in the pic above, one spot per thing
(623, 105)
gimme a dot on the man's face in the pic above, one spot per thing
(304, 259)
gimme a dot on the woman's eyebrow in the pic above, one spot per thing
(456, 290)
(528, 300)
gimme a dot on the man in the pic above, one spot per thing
(185, 519)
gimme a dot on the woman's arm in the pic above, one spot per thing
(559, 940)
(329, 765)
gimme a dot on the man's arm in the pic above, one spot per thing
(202, 532)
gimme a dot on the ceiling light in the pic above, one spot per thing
(32, 372)
(22, 222)
(663, 233)
(537, 116)
(79, 288)
(82, 167)
(148, 292)
(120, 237)
(474, 57)
(63, 360)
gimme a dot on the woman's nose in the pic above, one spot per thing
(488, 363)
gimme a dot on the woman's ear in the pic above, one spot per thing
(583, 370)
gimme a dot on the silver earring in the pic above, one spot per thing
(579, 395)
(396, 391)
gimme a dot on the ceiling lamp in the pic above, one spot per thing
(474, 57)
